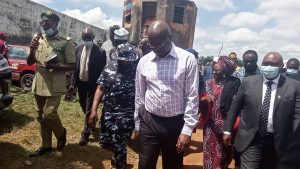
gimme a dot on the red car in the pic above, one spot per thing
(21, 72)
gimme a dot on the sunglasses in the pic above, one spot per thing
(158, 46)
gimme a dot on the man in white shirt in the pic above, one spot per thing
(166, 100)
(90, 62)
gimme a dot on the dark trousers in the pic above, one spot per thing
(260, 154)
(159, 134)
(236, 157)
(4, 86)
(86, 95)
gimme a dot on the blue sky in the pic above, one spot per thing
(262, 25)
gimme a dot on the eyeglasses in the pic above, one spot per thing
(158, 46)
(46, 23)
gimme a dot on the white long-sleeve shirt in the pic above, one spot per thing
(168, 87)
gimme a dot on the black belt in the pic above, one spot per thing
(180, 116)
(269, 135)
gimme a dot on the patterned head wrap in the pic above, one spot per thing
(227, 65)
(3, 35)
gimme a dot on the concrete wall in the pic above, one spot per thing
(20, 20)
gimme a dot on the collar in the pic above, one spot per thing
(172, 53)
(57, 36)
(276, 80)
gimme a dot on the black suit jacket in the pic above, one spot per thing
(294, 76)
(97, 61)
(286, 117)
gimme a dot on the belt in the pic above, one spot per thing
(269, 135)
(180, 116)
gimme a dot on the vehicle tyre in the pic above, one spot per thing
(26, 81)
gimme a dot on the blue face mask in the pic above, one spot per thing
(291, 71)
(49, 32)
(270, 72)
(88, 44)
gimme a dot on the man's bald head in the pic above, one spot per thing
(273, 59)
(87, 34)
(159, 30)
(159, 36)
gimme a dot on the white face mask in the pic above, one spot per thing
(88, 44)
(49, 32)
(270, 72)
(292, 71)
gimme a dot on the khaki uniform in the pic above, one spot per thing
(49, 85)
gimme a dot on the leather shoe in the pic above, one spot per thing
(83, 141)
(61, 142)
(40, 151)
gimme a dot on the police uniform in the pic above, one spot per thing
(49, 84)
(117, 122)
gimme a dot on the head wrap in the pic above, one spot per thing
(3, 35)
(227, 65)
(121, 34)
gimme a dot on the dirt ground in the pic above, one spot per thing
(19, 135)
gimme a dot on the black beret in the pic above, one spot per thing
(51, 15)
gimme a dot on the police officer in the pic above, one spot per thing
(53, 55)
(117, 84)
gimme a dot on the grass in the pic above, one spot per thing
(19, 135)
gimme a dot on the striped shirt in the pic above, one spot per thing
(168, 87)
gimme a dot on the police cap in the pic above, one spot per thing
(51, 15)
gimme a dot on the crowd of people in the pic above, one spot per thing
(248, 113)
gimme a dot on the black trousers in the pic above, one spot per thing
(159, 134)
(260, 154)
(86, 95)
(4, 86)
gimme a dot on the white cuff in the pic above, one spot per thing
(226, 132)
(137, 126)
(187, 130)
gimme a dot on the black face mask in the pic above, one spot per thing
(119, 42)
(122, 65)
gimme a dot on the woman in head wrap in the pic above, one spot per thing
(215, 103)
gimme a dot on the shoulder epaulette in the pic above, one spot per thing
(68, 38)
(64, 37)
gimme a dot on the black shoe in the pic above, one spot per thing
(83, 141)
(41, 151)
(61, 142)
(108, 147)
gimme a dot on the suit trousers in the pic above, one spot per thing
(159, 134)
(86, 96)
(47, 106)
(260, 154)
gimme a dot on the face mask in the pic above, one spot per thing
(49, 32)
(291, 71)
(88, 44)
(270, 72)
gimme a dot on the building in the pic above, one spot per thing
(20, 20)
(181, 15)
